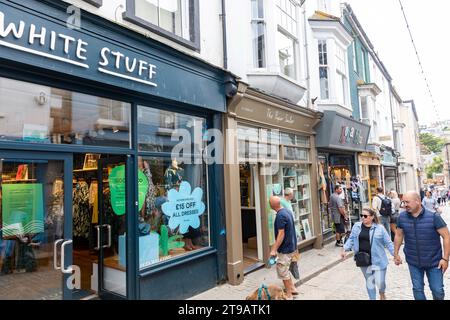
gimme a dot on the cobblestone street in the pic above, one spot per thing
(346, 282)
(325, 277)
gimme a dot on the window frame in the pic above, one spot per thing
(194, 24)
(291, 36)
(255, 22)
(95, 3)
(342, 75)
(324, 66)
(355, 60)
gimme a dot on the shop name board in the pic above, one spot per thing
(35, 34)
(279, 116)
(351, 135)
(69, 49)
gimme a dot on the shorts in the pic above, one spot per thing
(340, 227)
(283, 263)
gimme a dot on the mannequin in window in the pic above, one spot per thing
(173, 175)
(149, 205)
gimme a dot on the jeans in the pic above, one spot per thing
(435, 279)
(386, 222)
(375, 277)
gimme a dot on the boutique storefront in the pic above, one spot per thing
(338, 141)
(370, 171)
(389, 170)
(97, 198)
(269, 147)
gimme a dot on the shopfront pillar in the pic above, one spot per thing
(235, 265)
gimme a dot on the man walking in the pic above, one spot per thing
(338, 215)
(422, 231)
(285, 246)
(383, 207)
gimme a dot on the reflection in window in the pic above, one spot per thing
(156, 128)
(171, 15)
(43, 114)
(286, 54)
(174, 218)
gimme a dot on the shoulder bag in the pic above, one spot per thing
(363, 259)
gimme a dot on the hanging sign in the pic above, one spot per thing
(117, 188)
(184, 208)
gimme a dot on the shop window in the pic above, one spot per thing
(47, 115)
(257, 144)
(162, 131)
(292, 153)
(174, 212)
(298, 178)
(174, 19)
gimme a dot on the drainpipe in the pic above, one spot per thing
(224, 36)
(308, 77)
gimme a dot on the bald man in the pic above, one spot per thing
(285, 246)
(422, 231)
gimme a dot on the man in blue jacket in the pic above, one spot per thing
(422, 231)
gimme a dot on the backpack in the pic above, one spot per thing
(386, 207)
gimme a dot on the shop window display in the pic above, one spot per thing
(174, 217)
(296, 177)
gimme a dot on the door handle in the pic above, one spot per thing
(63, 269)
(55, 254)
(98, 238)
(109, 236)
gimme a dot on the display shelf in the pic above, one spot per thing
(83, 170)
(18, 180)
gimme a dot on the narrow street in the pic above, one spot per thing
(346, 282)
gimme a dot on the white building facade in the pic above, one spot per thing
(410, 167)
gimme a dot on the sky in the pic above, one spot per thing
(385, 26)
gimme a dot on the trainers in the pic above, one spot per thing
(339, 244)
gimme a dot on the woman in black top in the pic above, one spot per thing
(370, 237)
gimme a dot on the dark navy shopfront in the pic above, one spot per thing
(94, 200)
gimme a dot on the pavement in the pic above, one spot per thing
(325, 276)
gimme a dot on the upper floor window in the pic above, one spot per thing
(258, 34)
(355, 61)
(323, 70)
(175, 19)
(287, 37)
(341, 74)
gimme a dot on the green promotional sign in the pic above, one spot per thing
(117, 188)
(23, 209)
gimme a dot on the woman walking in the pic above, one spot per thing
(430, 202)
(368, 240)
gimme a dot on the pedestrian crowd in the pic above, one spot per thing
(412, 220)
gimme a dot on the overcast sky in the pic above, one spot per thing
(384, 24)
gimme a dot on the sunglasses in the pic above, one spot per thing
(365, 215)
